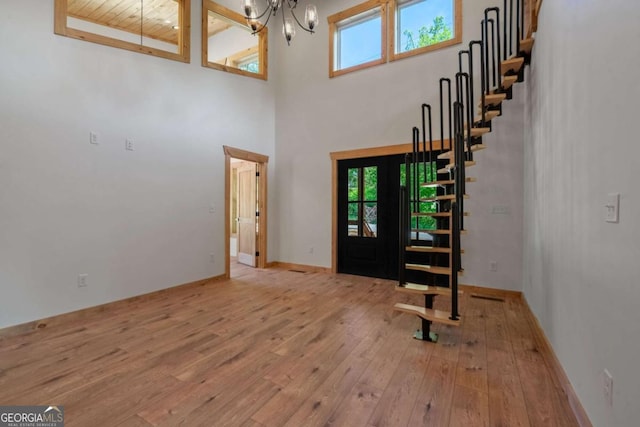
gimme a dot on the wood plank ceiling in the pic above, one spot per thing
(160, 16)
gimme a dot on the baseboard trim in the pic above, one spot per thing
(60, 319)
(299, 267)
(559, 376)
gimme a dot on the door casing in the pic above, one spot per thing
(262, 161)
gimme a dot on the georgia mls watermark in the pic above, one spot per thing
(31, 416)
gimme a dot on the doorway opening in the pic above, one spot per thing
(245, 208)
(364, 221)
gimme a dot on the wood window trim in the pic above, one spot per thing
(262, 162)
(457, 37)
(388, 48)
(184, 40)
(263, 36)
(387, 150)
(333, 21)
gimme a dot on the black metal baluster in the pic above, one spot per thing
(483, 121)
(415, 175)
(510, 27)
(424, 141)
(469, 114)
(455, 258)
(518, 27)
(403, 233)
(495, 39)
(460, 53)
(462, 170)
(485, 47)
(448, 82)
(504, 27)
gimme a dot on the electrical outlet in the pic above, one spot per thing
(83, 280)
(94, 138)
(607, 386)
(311, 250)
(493, 265)
(129, 145)
(212, 258)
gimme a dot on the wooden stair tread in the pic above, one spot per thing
(508, 81)
(511, 65)
(429, 268)
(430, 249)
(431, 214)
(476, 131)
(526, 45)
(435, 231)
(443, 197)
(416, 288)
(427, 313)
(488, 115)
(450, 166)
(436, 214)
(493, 99)
(432, 231)
(474, 148)
(444, 182)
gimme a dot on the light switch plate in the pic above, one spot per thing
(500, 210)
(612, 207)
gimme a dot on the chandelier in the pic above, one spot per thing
(253, 17)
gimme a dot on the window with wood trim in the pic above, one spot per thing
(422, 26)
(379, 31)
(358, 37)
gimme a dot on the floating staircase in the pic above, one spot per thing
(432, 196)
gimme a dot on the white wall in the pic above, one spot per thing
(580, 274)
(496, 204)
(378, 106)
(133, 221)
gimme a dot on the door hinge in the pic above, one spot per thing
(257, 253)
(257, 213)
(257, 173)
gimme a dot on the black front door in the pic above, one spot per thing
(368, 191)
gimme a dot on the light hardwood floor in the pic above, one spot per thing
(283, 348)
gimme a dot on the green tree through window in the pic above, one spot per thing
(435, 33)
(362, 198)
(424, 223)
